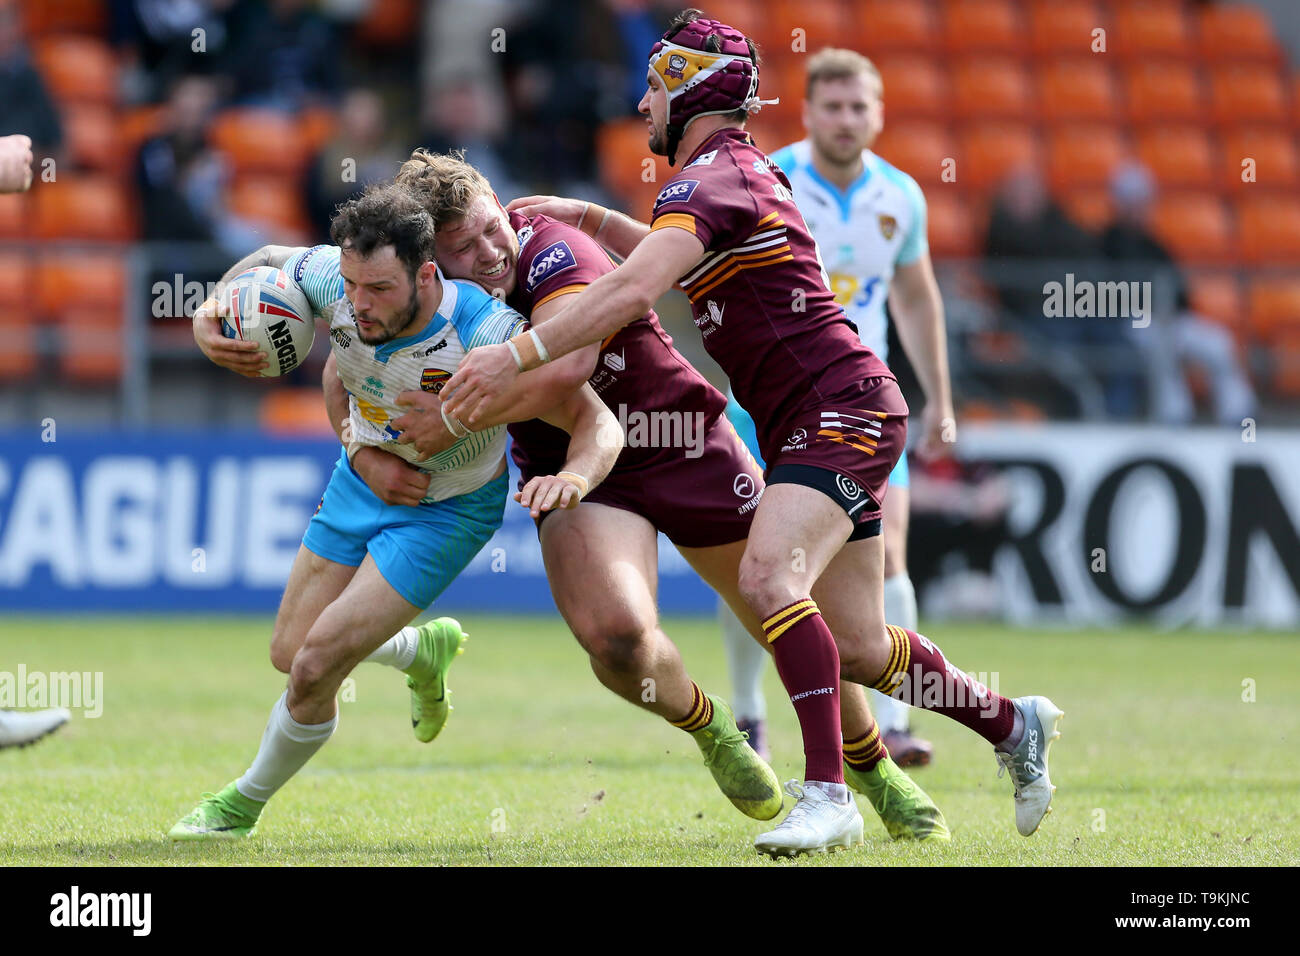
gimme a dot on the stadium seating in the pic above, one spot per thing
(78, 69)
(1144, 30)
(18, 320)
(1217, 295)
(1276, 156)
(888, 25)
(1237, 32)
(271, 202)
(1179, 156)
(1196, 227)
(991, 87)
(1163, 93)
(824, 22)
(1083, 155)
(990, 150)
(1274, 307)
(82, 207)
(65, 16)
(952, 224)
(84, 293)
(918, 148)
(1247, 92)
(1078, 89)
(259, 140)
(982, 26)
(14, 210)
(94, 138)
(1063, 27)
(915, 86)
(295, 412)
(1089, 206)
(1270, 227)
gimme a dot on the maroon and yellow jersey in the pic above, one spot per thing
(637, 369)
(760, 296)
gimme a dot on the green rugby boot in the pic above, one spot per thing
(440, 642)
(228, 815)
(742, 775)
(905, 809)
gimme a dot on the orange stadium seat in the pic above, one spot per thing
(915, 87)
(1276, 156)
(1083, 155)
(888, 25)
(950, 224)
(64, 16)
(622, 149)
(90, 345)
(1247, 92)
(988, 87)
(272, 202)
(391, 23)
(315, 127)
(1218, 296)
(824, 22)
(1141, 29)
(990, 150)
(138, 125)
(1270, 227)
(18, 320)
(1077, 89)
(1178, 155)
(14, 212)
(259, 140)
(996, 26)
(94, 137)
(1063, 27)
(1162, 92)
(66, 280)
(295, 411)
(84, 207)
(1196, 227)
(918, 148)
(1285, 353)
(1274, 306)
(1238, 32)
(78, 69)
(1089, 206)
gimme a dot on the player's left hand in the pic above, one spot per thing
(548, 492)
(484, 374)
(938, 431)
(422, 426)
(15, 163)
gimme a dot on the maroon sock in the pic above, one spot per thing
(928, 681)
(809, 665)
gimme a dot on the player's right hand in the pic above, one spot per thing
(392, 479)
(246, 358)
(15, 163)
(568, 211)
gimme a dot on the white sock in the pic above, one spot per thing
(286, 746)
(398, 651)
(745, 662)
(838, 792)
(900, 610)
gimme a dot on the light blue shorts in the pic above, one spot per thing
(418, 549)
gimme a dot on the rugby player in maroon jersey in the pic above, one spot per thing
(831, 424)
(700, 486)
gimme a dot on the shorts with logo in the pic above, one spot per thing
(419, 549)
(846, 448)
(698, 502)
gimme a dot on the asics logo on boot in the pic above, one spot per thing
(1033, 745)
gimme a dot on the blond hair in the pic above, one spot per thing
(444, 184)
(833, 63)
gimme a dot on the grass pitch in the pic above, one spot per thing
(1161, 761)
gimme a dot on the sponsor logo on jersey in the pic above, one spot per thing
(676, 66)
(849, 488)
(679, 191)
(556, 258)
(431, 349)
(373, 386)
(704, 159)
(433, 379)
(888, 225)
(760, 166)
(301, 267)
(524, 235)
(782, 193)
(744, 486)
(715, 311)
(798, 437)
(341, 338)
(616, 362)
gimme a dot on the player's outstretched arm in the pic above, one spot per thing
(917, 307)
(393, 480)
(15, 163)
(618, 233)
(530, 396)
(602, 308)
(595, 442)
(238, 356)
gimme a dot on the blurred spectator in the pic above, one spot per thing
(359, 147)
(1176, 334)
(1031, 242)
(25, 104)
(157, 42)
(283, 55)
(469, 115)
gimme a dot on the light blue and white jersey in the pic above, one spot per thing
(863, 233)
(374, 375)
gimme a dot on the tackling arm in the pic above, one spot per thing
(595, 442)
(618, 233)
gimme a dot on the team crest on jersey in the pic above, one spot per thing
(524, 235)
(556, 258)
(679, 191)
(676, 66)
(888, 225)
(616, 363)
(433, 379)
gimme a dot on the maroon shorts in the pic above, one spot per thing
(699, 500)
(846, 450)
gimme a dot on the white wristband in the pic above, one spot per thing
(514, 350)
(451, 424)
(603, 220)
(541, 349)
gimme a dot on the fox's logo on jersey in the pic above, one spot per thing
(555, 259)
(676, 192)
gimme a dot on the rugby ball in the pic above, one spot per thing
(265, 305)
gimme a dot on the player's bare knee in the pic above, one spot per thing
(861, 658)
(622, 651)
(767, 586)
(312, 666)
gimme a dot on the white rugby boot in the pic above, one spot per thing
(816, 824)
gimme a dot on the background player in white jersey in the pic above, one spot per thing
(367, 568)
(869, 220)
